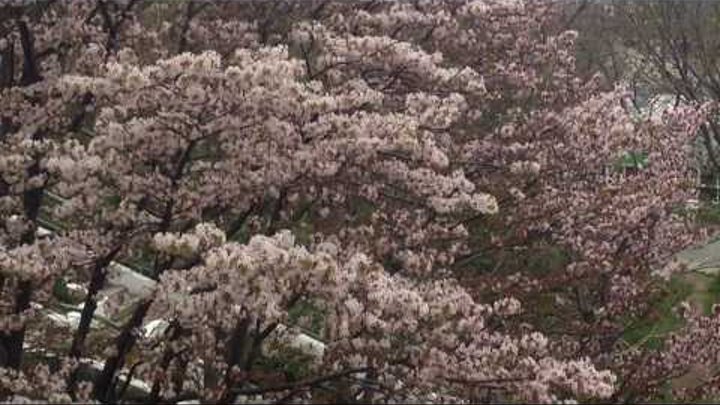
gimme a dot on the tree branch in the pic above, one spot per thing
(300, 384)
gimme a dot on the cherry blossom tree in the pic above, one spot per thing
(346, 162)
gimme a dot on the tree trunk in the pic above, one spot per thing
(104, 390)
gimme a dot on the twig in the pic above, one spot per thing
(300, 384)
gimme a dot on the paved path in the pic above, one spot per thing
(705, 259)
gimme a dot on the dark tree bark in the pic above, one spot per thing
(105, 384)
(31, 70)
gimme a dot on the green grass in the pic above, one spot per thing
(708, 214)
(293, 363)
(712, 295)
(651, 330)
(315, 315)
